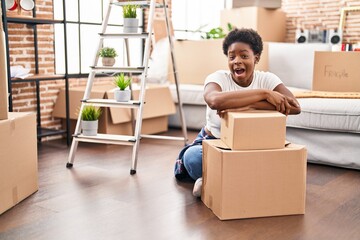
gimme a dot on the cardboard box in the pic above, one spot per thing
(250, 130)
(269, 23)
(248, 184)
(18, 159)
(210, 49)
(257, 3)
(3, 75)
(336, 71)
(206, 57)
(118, 120)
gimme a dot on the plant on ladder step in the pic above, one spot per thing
(90, 120)
(131, 23)
(108, 55)
(122, 94)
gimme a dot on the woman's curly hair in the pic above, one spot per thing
(244, 35)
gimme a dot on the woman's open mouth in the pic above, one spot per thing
(239, 71)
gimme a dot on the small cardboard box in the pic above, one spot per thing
(269, 23)
(337, 71)
(257, 3)
(251, 130)
(248, 184)
(3, 77)
(197, 71)
(118, 120)
(18, 171)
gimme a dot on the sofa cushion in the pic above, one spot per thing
(327, 114)
(191, 94)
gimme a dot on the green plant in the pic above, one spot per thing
(108, 52)
(122, 81)
(216, 33)
(90, 113)
(129, 11)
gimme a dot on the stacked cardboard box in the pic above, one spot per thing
(258, 176)
(269, 23)
(118, 120)
(18, 159)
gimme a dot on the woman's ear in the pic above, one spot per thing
(257, 58)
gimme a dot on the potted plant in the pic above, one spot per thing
(131, 23)
(89, 120)
(108, 55)
(122, 94)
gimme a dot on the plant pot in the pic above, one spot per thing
(89, 128)
(122, 95)
(108, 61)
(131, 25)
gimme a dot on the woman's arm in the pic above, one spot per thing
(254, 98)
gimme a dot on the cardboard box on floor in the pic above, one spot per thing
(18, 159)
(3, 75)
(250, 130)
(254, 183)
(191, 54)
(158, 106)
(269, 23)
(336, 71)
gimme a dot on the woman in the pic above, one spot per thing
(239, 88)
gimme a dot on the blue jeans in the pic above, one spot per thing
(193, 161)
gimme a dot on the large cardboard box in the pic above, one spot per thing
(249, 3)
(196, 59)
(193, 70)
(18, 159)
(247, 184)
(158, 106)
(253, 130)
(3, 75)
(269, 23)
(337, 71)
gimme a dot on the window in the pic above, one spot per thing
(190, 17)
(84, 19)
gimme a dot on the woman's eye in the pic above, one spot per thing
(231, 57)
(244, 56)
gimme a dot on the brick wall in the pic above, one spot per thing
(300, 13)
(321, 14)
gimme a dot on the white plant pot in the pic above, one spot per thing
(108, 61)
(131, 25)
(122, 95)
(89, 128)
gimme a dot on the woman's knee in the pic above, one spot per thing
(193, 161)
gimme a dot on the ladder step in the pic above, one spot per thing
(118, 69)
(124, 35)
(112, 103)
(139, 3)
(107, 139)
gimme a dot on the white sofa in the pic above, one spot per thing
(330, 128)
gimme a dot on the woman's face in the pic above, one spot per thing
(241, 61)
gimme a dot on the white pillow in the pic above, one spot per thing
(159, 62)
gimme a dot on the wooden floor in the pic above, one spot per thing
(99, 199)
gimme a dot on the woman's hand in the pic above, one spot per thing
(282, 103)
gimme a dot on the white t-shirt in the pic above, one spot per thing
(261, 80)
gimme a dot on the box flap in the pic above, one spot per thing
(76, 94)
